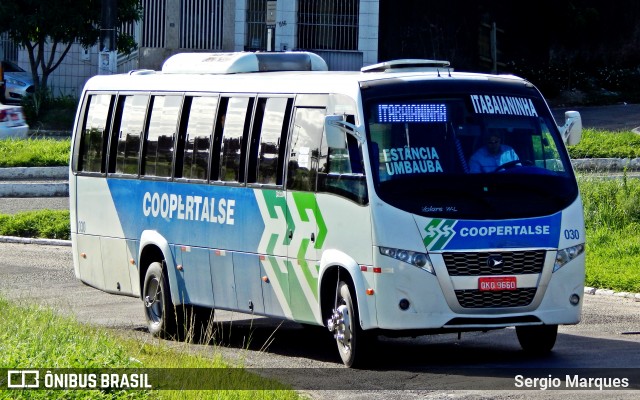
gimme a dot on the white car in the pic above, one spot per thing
(12, 123)
(19, 82)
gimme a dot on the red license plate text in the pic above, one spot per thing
(496, 283)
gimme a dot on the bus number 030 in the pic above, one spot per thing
(571, 234)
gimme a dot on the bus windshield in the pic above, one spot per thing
(471, 156)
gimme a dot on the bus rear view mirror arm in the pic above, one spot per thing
(335, 127)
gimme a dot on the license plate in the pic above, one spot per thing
(496, 283)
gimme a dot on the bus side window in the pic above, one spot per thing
(158, 156)
(129, 131)
(199, 114)
(94, 134)
(343, 172)
(304, 154)
(234, 139)
(270, 125)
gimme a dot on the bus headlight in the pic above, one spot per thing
(420, 260)
(565, 255)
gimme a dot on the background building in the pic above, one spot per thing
(343, 32)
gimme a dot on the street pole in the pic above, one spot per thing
(108, 54)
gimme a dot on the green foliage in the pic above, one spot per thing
(605, 144)
(34, 152)
(43, 111)
(52, 224)
(37, 337)
(612, 220)
(47, 29)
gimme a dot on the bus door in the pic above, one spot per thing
(306, 230)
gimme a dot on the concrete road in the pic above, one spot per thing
(12, 205)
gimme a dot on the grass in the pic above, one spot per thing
(612, 222)
(51, 224)
(36, 337)
(34, 152)
(606, 144)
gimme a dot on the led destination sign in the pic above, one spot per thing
(391, 113)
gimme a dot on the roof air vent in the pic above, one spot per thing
(242, 62)
(407, 65)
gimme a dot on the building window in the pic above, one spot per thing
(153, 22)
(328, 24)
(256, 34)
(201, 24)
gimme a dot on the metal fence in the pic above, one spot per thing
(8, 49)
(153, 23)
(201, 24)
(328, 24)
(256, 28)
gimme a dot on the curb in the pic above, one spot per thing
(34, 182)
(611, 293)
(23, 173)
(22, 240)
(47, 189)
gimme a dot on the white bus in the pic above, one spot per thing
(265, 184)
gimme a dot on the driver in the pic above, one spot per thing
(492, 155)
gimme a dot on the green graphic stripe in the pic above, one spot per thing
(300, 307)
(272, 243)
(273, 201)
(311, 281)
(307, 201)
(445, 238)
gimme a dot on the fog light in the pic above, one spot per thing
(574, 299)
(404, 304)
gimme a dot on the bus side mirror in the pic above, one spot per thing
(572, 130)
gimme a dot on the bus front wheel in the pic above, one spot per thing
(538, 339)
(350, 338)
(159, 309)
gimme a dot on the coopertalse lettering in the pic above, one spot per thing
(506, 230)
(170, 206)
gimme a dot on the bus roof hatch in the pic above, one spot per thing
(242, 62)
(407, 65)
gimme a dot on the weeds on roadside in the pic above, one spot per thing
(34, 152)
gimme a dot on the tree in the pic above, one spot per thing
(34, 24)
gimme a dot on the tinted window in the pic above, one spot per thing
(270, 124)
(304, 156)
(93, 141)
(198, 137)
(160, 136)
(131, 126)
(233, 140)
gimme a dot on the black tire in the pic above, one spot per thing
(353, 348)
(538, 339)
(159, 309)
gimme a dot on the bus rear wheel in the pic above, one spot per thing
(538, 339)
(159, 309)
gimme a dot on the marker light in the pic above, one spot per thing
(565, 255)
(419, 260)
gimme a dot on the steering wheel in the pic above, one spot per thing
(512, 164)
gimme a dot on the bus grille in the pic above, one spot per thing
(506, 298)
(513, 263)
